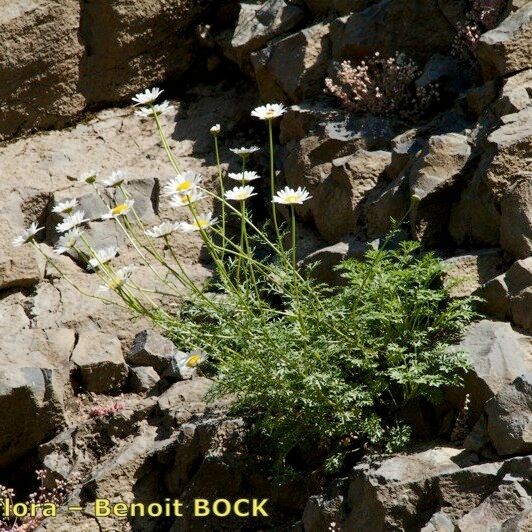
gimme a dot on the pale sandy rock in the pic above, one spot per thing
(471, 270)
(516, 219)
(508, 48)
(498, 354)
(100, 362)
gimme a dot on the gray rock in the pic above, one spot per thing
(142, 378)
(99, 359)
(151, 349)
(416, 27)
(330, 256)
(31, 408)
(508, 48)
(293, 69)
(392, 493)
(510, 417)
(516, 218)
(498, 355)
(176, 369)
(509, 500)
(259, 23)
(510, 295)
(439, 522)
(472, 270)
(515, 94)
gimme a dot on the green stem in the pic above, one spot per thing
(272, 180)
(222, 189)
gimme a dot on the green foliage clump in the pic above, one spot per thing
(331, 366)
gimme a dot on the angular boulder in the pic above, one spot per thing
(151, 349)
(508, 48)
(294, 68)
(99, 359)
(31, 408)
(509, 417)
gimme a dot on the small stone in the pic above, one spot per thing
(142, 378)
(99, 358)
(151, 349)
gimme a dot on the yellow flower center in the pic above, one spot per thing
(202, 224)
(193, 361)
(120, 209)
(184, 185)
(291, 198)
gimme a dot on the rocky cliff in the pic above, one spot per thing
(83, 388)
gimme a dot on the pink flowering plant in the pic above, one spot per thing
(381, 86)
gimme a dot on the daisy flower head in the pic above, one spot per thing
(115, 180)
(215, 130)
(269, 111)
(201, 222)
(88, 177)
(147, 97)
(245, 152)
(182, 200)
(244, 176)
(102, 256)
(65, 207)
(155, 110)
(71, 221)
(182, 184)
(27, 235)
(67, 241)
(120, 209)
(240, 193)
(118, 279)
(193, 360)
(290, 196)
(164, 229)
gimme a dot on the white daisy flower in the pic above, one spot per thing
(120, 209)
(215, 130)
(182, 200)
(156, 110)
(269, 111)
(147, 97)
(182, 184)
(67, 241)
(66, 206)
(71, 221)
(27, 235)
(118, 279)
(88, 177)
(194, 359)
(102, 256)
(290, 196)
(246, 176)
(240, 193)
(116, 179)
(202, 221)
(164, 229)
(244, 152)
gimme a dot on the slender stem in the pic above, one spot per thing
(294, 254)
(222, 189)
(272, 180)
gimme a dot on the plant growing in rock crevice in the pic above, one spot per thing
(381, 86)
(311, 366)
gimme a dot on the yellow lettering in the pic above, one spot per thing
(201, 507)
(120, 509)
(258, 508)
(102, 508)
(237, 507)
(224, 512)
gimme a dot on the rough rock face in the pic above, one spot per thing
(60, 57)
(468, 163)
